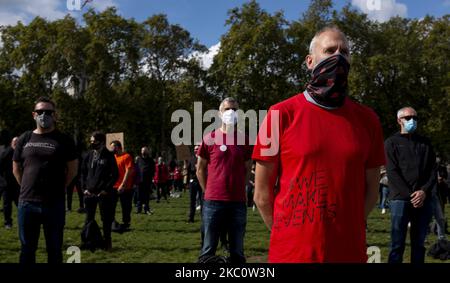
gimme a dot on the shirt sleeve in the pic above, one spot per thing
(203, 151)
(129, 162)
(393, 170)
(376, 156)
(267, 145)
(430, 169)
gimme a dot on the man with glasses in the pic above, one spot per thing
(44, 164)
(412, 176)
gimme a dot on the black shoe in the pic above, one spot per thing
(125, 227)
(8, 226)
(81, 210)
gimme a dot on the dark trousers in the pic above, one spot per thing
(143, 196)
(249, 189)
(69, 193)
(105, 204)
(403, 212)
(161, 189)
(31, 215)
(126, 202)
(195, 191)
(178, 185)
(10, 195)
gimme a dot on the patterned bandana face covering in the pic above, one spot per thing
(44, 120)
(328, 85)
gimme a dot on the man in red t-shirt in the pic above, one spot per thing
(318, 156)
(123, 188)
(222, 169)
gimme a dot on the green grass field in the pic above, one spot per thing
(165, 237)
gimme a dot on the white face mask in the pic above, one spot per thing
(229, 117)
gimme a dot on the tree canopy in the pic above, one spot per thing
(118, 75)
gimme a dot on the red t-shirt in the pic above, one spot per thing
(323, 155)
(226, 158)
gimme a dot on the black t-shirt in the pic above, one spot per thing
(44, 158)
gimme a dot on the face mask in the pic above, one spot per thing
(328, 85)
(44, 121)
(229, 117)
(410, 126)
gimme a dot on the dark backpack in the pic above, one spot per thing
(440, 250)
(91, 237)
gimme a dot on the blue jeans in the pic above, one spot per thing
(403, 212)
(30, 217)
(232, 216)
(384, 190)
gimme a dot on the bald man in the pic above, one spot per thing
(318, 156)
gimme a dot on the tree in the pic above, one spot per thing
(166, 49)
(251, 63)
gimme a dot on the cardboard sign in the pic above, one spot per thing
(115, 137)
(183, 152)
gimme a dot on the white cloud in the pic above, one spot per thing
(206, 58)
(12, 11)
(10, 19)
(381, 10)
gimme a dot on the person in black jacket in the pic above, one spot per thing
(146, 172)
(412, 175)
(11, 190)
(98, 174)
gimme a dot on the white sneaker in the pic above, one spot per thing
(254, 208)
(198, 207)
(409, 224)
(383, 211)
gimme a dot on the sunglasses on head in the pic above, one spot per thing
(407, 118)
(46, 111)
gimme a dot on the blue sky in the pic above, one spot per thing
(205, 19)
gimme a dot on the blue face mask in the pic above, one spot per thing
(410, 126)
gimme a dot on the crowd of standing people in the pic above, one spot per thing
(319, 166)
